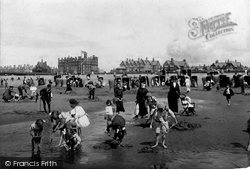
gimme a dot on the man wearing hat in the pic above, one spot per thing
(46, 96)
(160, 118)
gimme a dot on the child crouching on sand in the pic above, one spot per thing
(109, 112)
(36, 129)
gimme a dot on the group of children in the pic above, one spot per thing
(157, 114)
(114, 121)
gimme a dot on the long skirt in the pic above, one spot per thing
(173, 104)
(142, 109)
(119, 106)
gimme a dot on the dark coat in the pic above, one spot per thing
(173, 96)
(174, 92)
(141, 95)
(118, 121)
(118, 92)
(7, 95)
(231, 93)
(45, 94)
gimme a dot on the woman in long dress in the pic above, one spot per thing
(173, 96)
(118, 92)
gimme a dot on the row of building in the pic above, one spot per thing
(152, 66)
(26, 68)
(67, 65)
(40, 67)
(85, 65)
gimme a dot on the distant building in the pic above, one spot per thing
(140, 65)
(42, 67)
(173, 65)
(26, 68)
(227, 65)
(78, 65)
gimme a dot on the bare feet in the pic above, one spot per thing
(155, 145)
(248, 149)
(164, 146)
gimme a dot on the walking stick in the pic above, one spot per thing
(40, 105)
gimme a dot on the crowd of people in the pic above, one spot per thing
(70, 123)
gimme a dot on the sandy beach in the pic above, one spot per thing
(219, 142)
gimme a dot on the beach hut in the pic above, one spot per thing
(162, 80)
(126, 83)
(194, 81)
(224, 80)
(41, 81)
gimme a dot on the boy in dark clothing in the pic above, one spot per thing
(68, 84)
(36, 133)
(46, 96)
(91, 88)
(118, 125)
(228, 92)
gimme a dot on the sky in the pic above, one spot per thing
(114, 30)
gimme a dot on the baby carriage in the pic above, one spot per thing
(188, 106)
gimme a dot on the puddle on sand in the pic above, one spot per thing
(211, 160)
(21, 147)
(85, 155)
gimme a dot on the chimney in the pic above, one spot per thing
(146, 58)
(84, 54)
(172, 59)
(153, 59)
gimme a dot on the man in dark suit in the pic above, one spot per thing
(46, 96)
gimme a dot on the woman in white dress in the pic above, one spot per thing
(78, 113)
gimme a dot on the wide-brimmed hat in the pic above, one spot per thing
(73, 101)
(149, 94)
(160, 106)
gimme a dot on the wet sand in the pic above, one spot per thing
(218, 143)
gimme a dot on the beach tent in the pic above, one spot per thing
(224, 80)
(182, 80)
(41, 81)
(155, 81)
(126, 83)
(236, 80)
(144, 79)
(162, 80)
(194, 81)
